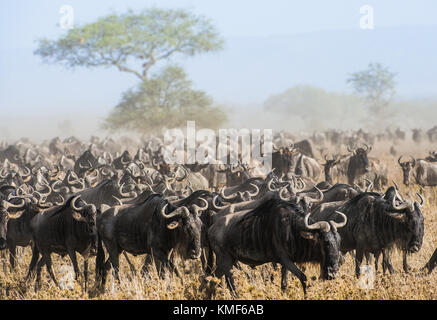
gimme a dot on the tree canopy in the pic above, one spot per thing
(132, 42)
(376, 84)
(165, 100)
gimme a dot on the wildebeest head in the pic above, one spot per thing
(188, 223)
(407, 167)
(410, 215)
(327, 237)
(85, 213)
(328, 165)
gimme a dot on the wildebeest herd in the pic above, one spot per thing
(102, 198)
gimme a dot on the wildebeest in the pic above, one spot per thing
(377, 223)
(424, 172)
(358, 164)
(153, 227)
(277, 231)
(64, 229)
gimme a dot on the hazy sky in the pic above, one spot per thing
(29, 87)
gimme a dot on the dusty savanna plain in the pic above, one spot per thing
(260, 283)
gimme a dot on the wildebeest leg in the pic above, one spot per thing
(432, 262)
(295, 270)
(386, 262)
(39, 266)
(104, 273)
(147, 262)
(49, 268)
(284, 278)
(33, 262)
(224, 266)
(377, 255)
(405, 262)
(85, 273)
(131, 266)
(171, 265)
(160, 266)
(114, 258)
(12, 256)
(358, 261)
(368, 258)
(207, 260)
(72, 255)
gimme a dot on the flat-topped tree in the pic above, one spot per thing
(132, 42)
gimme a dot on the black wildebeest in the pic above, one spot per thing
(376, 223)
(277, 231)
(153, 226)
(64, 229)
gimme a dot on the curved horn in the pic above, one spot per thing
(370, 186)
(358, 188)
(256, 192)
(337, 225)
(8, 205)
(222, 194)
(422, 199)
(62, 200)
(402, 206)
(312, 200)
(82, 166)
(216, 206)
(123, 162)
(73, 204)
(269, 185)
(118, 200)
(175, 213)
(282, 197)
(197, 208)
(120, 190)
(322, 225)
(399, 160)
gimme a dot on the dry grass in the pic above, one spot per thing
(251, 284)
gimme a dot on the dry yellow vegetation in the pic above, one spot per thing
(261, 283)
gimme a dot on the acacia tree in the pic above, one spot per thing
(377, 85)
(165, 100)
(134, 43)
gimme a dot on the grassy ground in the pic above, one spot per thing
(251, 284)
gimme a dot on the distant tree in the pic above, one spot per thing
(134, 43)
(376, 84)
(165, 100)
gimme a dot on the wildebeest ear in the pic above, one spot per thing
(308, 235)
(173, 225)
(77, 216)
